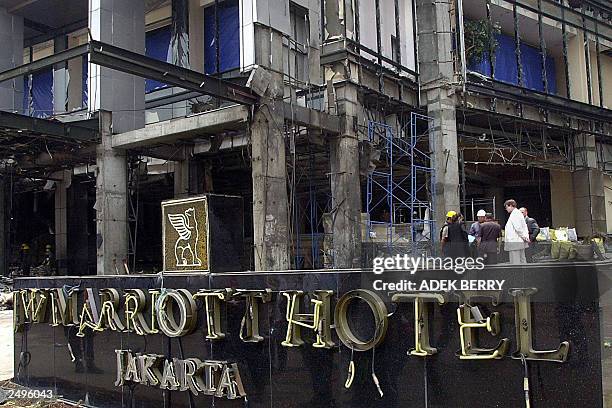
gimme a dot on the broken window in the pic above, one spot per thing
(506, 65)
(157, 45)
(297, 44)
(221, 37)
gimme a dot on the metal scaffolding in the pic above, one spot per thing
(309, 201)
(400, 189)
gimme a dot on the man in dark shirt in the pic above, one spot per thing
(534, 230)
(490, 231)
(455, 244)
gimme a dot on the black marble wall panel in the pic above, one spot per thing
(277, 376)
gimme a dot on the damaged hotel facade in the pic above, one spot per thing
(343, 125)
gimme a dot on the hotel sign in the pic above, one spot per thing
(174, 313)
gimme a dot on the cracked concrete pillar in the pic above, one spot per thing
(111, 202)
(589, 194)
(268, 162)
(345, 186)
(119, 97)
(11, 55)
(270, 205)
(436, 76)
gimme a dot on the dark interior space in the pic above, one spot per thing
(529, 187)
(31, 220)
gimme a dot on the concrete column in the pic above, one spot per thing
(61, 221)
(562, 187)
(11, 55)
(268, 164)
(119, 23)
(589, 195)
(111, 202)
(436, 74)
(196, 36)
(270, 210)
(346, 186)
(208, 182)
(60, 77)
(181, 179)
(181, 176)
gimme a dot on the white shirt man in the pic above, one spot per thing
(516, 234)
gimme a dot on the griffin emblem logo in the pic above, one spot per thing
(186, 246)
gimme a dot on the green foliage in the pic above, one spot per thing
(480, 39)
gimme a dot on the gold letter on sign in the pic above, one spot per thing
(29, 305)
(249, 326)
(422, 346)
(470, 318)
(90, 315)
(380, 319)
(135, 305)
(522, 321)
(230, 384)
(64, 307)
(319, 320)
(188, 318)
(213, 314)
(109, 318)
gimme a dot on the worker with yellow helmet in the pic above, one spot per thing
(453, 237)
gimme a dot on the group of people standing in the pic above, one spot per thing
(483, 237)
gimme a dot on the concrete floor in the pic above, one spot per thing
(6, 344)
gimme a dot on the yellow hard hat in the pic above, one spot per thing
(25, 246)
(450, 214)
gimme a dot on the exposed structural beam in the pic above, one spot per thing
(43, 63)
(146, 67)
(230, 118)
(496, 89)
(312, 118)
(133, 63)
(47, 127)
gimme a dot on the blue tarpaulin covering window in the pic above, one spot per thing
(157, 45)
(506, 68)
(42, 93)
(84, 81)
(229, 37)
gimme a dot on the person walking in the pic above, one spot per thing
(516, 235)
(534, 229)
(490, 232)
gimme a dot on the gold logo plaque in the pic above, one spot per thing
(185, 235)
